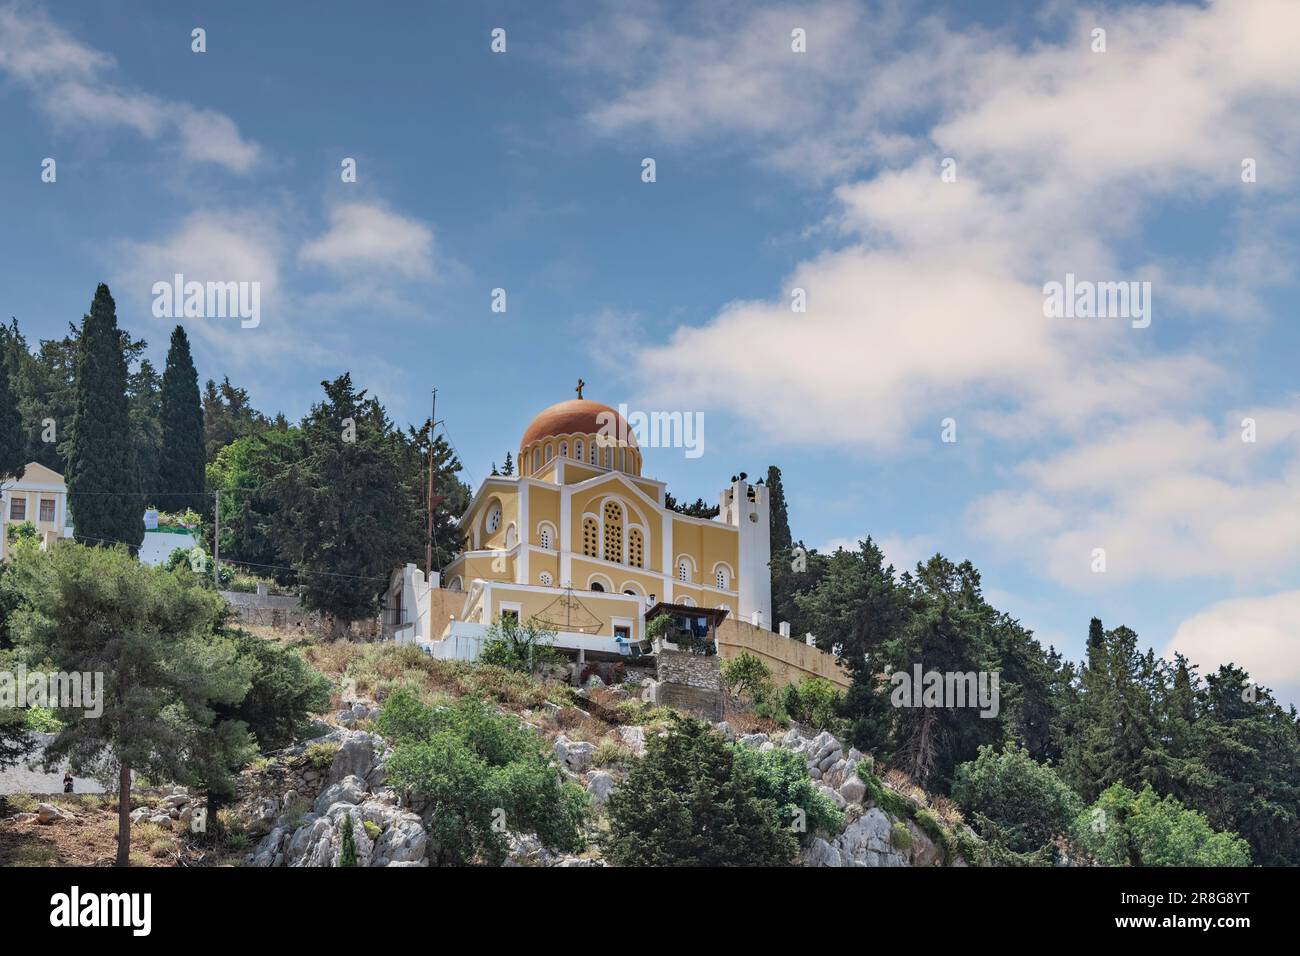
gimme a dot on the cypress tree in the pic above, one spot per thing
(779, 517)
(184, 455)
(13, 443)
(101, 486)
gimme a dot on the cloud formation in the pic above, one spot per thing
(68, 82)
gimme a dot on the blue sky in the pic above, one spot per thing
(775, 170)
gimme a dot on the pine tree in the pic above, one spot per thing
(689, 802)
(13, 443)
(509, 467)
(349, 490)
(184, 456)
(106, 508)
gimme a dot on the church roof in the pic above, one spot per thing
(577, 416)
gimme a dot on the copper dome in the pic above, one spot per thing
(577, 416)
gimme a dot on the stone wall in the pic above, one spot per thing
(689, 682)
(790, 659)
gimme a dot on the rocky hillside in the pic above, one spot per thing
(298, 803)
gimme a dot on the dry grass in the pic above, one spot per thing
(86, 837)
(902, 784)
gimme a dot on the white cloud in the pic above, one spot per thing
(366, 237)
(935, 307)
(1260, 634)
(65, 78)
(1166, 498)
(218, 246)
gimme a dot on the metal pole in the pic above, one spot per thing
(428, 544)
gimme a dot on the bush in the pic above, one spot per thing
(404, 718)
(478, 769)
(41, 720)
(815, 703)
(690, 802)
(782, 777)
(746, 675)
(321, 756)
(1014, 800)
(900, 836)
(519, 646)
(348, 851)
(1124, 828)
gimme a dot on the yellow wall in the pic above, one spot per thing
(789, 660)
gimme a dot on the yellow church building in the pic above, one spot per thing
(582, 542)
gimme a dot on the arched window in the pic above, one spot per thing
(687, 602)
(544, 537)
(550, 453)
(720, 575)
(590, 537)
(635, 548)
(609, 458)
(613, 532)
(594, 451)
(597, 586)
(537, 458)
(564, 449)
(577, 450)
(683, 570)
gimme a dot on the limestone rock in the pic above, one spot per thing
(853, 789)
(600, 785)
(820, 853)
(349, 790)
(634, 738)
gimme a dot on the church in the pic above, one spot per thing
(581, 541)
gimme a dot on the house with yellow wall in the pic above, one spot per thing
(40, 498)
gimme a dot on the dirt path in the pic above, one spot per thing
(26, 775)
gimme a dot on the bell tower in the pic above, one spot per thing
(744, 506)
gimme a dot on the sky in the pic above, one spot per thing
(920, 171)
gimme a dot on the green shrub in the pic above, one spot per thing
(41, 720)
(746, 675)
(520, 646)
(485, 773)
(1014, 800)
(611, 754)
(404, 718)
(1124, 828)
(690, 802)
(900, 836)
(348, 851)
(321, 756)
(782, 776)
(373, 830)
(815, 702)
